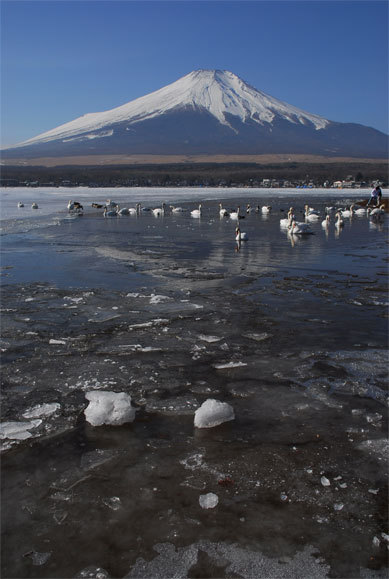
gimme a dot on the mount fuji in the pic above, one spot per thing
(207, 112)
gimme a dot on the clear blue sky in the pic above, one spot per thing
(61, 60)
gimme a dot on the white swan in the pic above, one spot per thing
(134, 210)
(338, 220)
(310, 209)
(20, 204)
(240, 235)
(326, 222)
(235, 214)
(312, 217)
(266, 209)
(286, 222)
(298, 228)
(159, 211)
(177, 209)
(223, 212)
(377, 212)
(196, 212)
(311, 214)
(34, 206)
(347, 212)
(360, 211)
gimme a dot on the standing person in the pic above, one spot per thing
(373, 197)
(379, 195)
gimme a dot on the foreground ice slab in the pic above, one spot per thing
(212, 413)
(108, 408)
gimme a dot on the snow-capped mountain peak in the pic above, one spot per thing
(219, 92)
(206, 112)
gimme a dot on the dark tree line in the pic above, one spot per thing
(209, 174)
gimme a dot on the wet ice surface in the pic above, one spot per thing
(291, 333)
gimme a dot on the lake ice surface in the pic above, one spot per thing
(290, 332)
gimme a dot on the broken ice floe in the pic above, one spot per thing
(155, 322)
(101, 317)
(18, 430)
(212, 413)
(138, 348)
(114, 503)
(109, 408)
(257, 337)
(158, 299)
(229, 365)
(209, 339)
(93, 572)
(72, 299)
(41, 410)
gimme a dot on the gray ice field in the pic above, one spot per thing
(284, 476)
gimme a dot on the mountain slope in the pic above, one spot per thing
(204, 112)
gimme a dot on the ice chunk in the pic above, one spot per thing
(158, 299)
(54, 342)
(324, 481)
(212, 413)
(257, 337)
(18, 430)
(208, 501)
(113, 503)
(108, 408)
(71, 299)
(92, 573)
(229, 365)
(41, 410)
(209, 339)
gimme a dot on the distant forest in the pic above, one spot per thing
(198, 174)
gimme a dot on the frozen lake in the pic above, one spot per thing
(290, 331)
